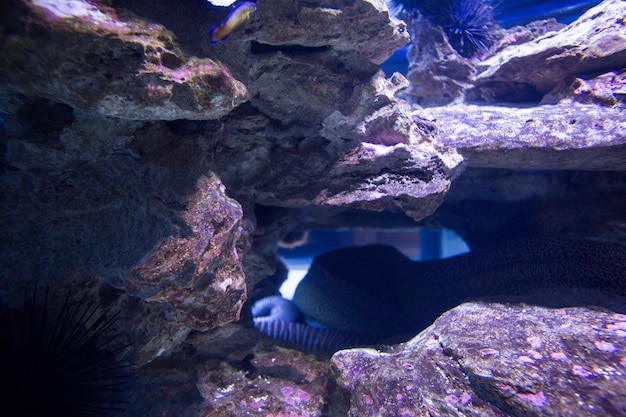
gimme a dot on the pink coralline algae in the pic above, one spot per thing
(605, 346)
(535, 342)
(526, 359)
(580, 371)
(618, 328)
(539, 399)
(489, 352)
(559, 356)
(452, 400)
(504, 387)
(292, 397)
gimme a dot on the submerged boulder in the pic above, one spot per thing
(593, 44)
(495, 360)
(90, 57)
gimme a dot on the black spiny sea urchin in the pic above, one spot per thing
(468, 23)
(55, 365)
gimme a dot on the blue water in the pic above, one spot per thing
(512, 13)
(520, 12)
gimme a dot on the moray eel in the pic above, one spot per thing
(275, 308)
(236, 17)
(376, 292)
(280, 319)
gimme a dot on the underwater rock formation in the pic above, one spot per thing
(88, 57)
(140, 204)
(593, 44)
(494, 360)
(561, 137)
(590, 46)
(283, 383)
(208, 288)
(156, 172)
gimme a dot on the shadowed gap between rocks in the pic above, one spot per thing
(376, 291)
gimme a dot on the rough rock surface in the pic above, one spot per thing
(590, 46)
(593, 44)
(438, 75)
(495, 360)
(197, 272)
(567, 136)
(231, 371)
(87, 57)
(148, 169)
(284, 383)
(140, 204)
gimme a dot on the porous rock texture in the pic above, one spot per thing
(539, 120)
(85, 56)
(136, 156)
(154, 173)
(495, 360)
(593, 44)
(571, 136)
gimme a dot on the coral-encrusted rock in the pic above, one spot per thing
(362, 25)
(566, 136)
(396, 162)
(592, 44)
(438, 74)
(608, 89)
(87, 57)
(301, 61)
(198, 273)
(495, 360)
(375, 156)
(285, 383)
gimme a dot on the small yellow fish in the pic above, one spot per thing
(237, 16)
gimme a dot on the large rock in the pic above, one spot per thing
(438, 74)
(592, 44)
(560, 137)
(197, 271)
(118, 173)
(86, 56)
(284, 23)
(376, 157)
(283, 383)
(557, 54)
(495, 360)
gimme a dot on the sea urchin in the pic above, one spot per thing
(468, 23)
(55, 365)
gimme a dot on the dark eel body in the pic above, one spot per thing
(375, 292)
